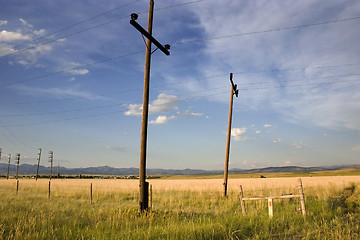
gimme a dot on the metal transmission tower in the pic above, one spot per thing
(38, 164)
(144, 186)
(51, 160)
(235, 91)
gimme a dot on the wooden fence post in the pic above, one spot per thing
(91, 192)
(150, 197)
(17, 186)
(302, 197)
(242, 202)
(271, 207)
(49, 189)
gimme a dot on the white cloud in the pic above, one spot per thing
(162, 104)
(79, 71)
(279, 140)
(3, 22)
(237, 133)
(356, 148)
(267, 126)
(287, 163)
(117, 149)
(25, 23)
(187, 114)
(161, 120)
(6, 36)
(299, 145)
(40, 32)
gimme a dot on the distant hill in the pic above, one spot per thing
(27, 169)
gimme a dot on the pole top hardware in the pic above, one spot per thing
(236, 91)
(164, 49)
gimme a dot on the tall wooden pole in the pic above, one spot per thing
(51, 160)
(226, 169)
(17, 165)
(8, 170)
(144, 189)
(38, 164)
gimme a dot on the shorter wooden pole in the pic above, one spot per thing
(242, 202)
(91, 192)
(302, 197)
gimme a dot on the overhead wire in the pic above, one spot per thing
(266, 31)
(223, 90)
(90, 28)
(77, 23)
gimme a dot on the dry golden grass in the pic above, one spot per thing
(251, 186)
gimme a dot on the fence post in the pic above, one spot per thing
(242, 202)
(302, 197)
(271, 207)
(49, 189)
(91, 192)
(17, 186)
(150, 197)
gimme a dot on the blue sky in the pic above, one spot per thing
(71, 81)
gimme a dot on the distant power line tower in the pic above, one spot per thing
(144, 186)
(234, 91)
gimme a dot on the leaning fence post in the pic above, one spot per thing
(302, 197)
(242, 202)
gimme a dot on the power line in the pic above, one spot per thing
(265, 31)
(70, 69)
(87, 29)
(191, 97)
(76, 24)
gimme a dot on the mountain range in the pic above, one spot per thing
(28, 169)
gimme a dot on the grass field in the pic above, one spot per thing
(182, 209)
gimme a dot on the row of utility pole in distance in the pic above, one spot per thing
(17, 162)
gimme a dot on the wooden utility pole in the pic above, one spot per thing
(51, 160)
(235, 91)
(8, 171)
(143, 185)
(17, 165)
(38, 164)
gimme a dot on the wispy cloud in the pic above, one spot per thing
(56, 92)
(3, 22)
(278, 140)
(117, 149)
(299, 145)
(267, 126)
(356, 148)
